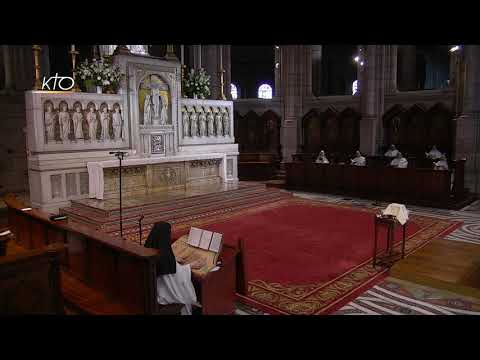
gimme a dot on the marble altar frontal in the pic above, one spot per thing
(171, 142)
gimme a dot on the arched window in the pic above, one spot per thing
(354, 87)
(233, 91)
(265, 91)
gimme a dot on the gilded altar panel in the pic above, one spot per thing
(133, 181)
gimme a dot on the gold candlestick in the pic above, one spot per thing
(182, 74)
(222, 94)
(74, 54)
(37, 85)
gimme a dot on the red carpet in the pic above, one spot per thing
(303, 257)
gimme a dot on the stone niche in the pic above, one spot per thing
(152, 90)
(151, 178)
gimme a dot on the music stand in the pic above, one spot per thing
(120, 155)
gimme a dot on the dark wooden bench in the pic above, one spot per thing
(30, 280)
(102, 274)
(257, 166)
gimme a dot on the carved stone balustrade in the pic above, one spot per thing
(205, 122)
(66, 121)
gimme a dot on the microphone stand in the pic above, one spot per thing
(120, 155)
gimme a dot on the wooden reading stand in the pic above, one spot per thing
(101, 274)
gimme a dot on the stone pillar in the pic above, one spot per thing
(211, 62)
(292, 70)
(467, 124)
(7, 67)
(316, 54)
(227, 66)
(391, 69)
(307, 72)
(371, 99)
(408, 68)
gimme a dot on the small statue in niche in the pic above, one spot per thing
(164, 113)
(202, 121)
(50, 122)
(117, 123)
(64, 119)
(147, 110)
(218, 121)
(226, 122)
(77, 118)
(210, 121)
(186, 123)
(104, 118)
(155, 97)
(92, 123)
(193, 123)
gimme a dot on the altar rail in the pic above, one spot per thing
(206, 122)
(121, 273)
(423, 186)
(69, 121)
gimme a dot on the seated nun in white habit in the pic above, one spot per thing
(392, 151)
(358, 160)
(441, 164)
(322, 159)
(399, 161)
(434, 154)
(174, 281)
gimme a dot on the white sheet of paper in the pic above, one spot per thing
(194, 236)
(206, 238)
(216, 241)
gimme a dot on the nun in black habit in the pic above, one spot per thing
(174, 282)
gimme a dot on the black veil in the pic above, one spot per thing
(159, 238)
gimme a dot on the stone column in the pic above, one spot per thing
(316, 54)
(211, 64)
(391, 69)
(467, 124)
(227, 66)
(292, 63)
(7, 67)
(408, 68)
(307, 71)
(371, 99)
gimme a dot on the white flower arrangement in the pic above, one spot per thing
(197, 83)
(100, 72)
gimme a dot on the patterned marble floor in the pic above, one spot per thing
(399, 297)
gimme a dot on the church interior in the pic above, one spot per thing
(335, 179)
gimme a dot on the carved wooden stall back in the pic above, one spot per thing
(337, 133)
(257, 133)
(416, 129)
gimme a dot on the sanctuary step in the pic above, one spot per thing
(170, 206)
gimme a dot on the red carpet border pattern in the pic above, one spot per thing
(309, 299)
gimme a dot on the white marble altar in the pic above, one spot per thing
(71, 134)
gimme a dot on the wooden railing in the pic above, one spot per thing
(119, 270)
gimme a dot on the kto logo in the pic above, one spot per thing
(58, 83)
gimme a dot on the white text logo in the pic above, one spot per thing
(58, 83)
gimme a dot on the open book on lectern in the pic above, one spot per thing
(200, 249)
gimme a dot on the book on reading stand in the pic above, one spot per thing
(200, 248)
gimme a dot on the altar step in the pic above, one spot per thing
(175, 210)
(138, 205)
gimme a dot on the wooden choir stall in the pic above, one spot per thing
(418, 185)
(101, 274)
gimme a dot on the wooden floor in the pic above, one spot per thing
(443, 264)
